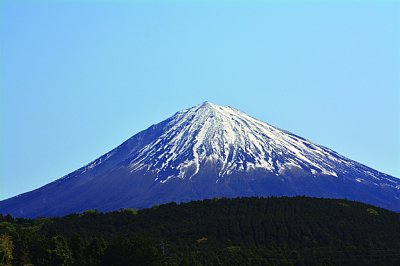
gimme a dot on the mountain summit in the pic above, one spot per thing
(202, 152)
(230, 141)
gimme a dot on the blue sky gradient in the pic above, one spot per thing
(77, 78)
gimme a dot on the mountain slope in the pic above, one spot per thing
(202, 152)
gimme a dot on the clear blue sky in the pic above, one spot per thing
(78, 78)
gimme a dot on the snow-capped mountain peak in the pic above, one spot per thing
(203, 152)
(231, 141)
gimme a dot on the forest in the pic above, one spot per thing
(220, 231)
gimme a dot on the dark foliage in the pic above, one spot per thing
(241, 231)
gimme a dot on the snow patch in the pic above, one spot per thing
(234, 142)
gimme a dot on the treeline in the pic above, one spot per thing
(241, 231)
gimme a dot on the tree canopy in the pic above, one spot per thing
(221, 231)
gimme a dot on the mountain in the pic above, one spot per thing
(203, 152)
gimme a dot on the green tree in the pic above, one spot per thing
(6, 250)
(141, 251)
(56, 252)
(95, 251)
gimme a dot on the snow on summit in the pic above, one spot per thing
(232, 141)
